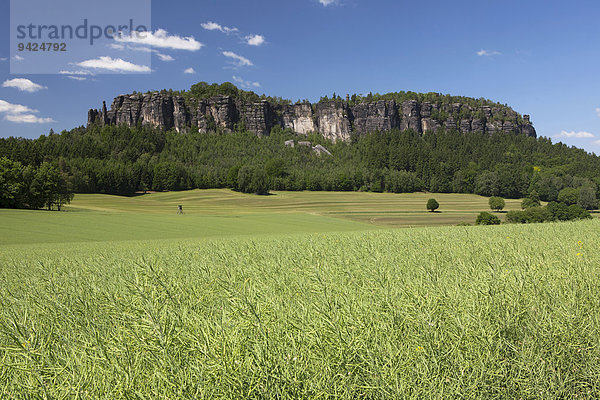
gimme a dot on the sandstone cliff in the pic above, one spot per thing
(336, 120)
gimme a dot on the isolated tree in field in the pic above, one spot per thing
(432, 205)
(587, 198)
(485, 218)
(496, 203)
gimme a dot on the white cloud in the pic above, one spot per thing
(27, 119)
(80, 72)
(598, 111)
(113, 64)
(597, 142)
(488, 53)
(76, 78)
(237, 59)
(164, 57)
(3, 58)
(327, 2)
(255, 40)
(24, 85)
(213, 26)
(161, 38)
(116, 46)
(576, 135)
(245, 84)
(18, 58)
(6, 107)
(189, 71)
(21, 114)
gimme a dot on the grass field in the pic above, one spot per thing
(218, 213)
(293, 296)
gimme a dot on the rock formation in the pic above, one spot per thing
(336, 120)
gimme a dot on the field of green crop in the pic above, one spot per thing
(114, 299)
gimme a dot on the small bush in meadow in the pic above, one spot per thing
(485, 218)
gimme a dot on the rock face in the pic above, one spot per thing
(333, 120)
(336, 120)
(374, 117)
(411, 116)
(298, 118)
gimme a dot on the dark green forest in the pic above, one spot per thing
(121, 160)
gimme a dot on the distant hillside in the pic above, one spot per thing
(236, 139)
(226, 108)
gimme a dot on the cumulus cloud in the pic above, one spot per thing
(245, 84)
(21, 114)
(237, 60)
(79, 72)
(24, 85)
(6, 107)
(213, 26)
(161, 38)
(113, 64)
(27, 119)
(165, 57)
(252, 40)
(189, 71)
(255, 40)
(327, 2)
(116, 46)
(488, 53)
(576, 135)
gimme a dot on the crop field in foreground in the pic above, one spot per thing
(509, 311)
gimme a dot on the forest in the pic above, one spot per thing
(122, 160)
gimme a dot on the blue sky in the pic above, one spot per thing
(541, 57)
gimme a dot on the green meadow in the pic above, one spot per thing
(220, 212)
(295, 295)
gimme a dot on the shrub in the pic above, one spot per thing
(559, 211)
(538, 214)
(516, 217)
(496, 203)
(485, 218)
(577, 212)
(552, 212)
(432, 205)
(568, 196)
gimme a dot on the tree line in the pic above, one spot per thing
(122, 160)
(44, 186)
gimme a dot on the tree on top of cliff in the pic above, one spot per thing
(203, 90)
